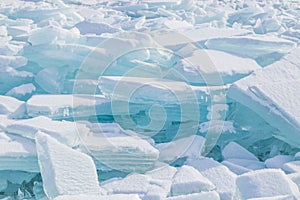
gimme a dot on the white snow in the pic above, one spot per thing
(266, 183)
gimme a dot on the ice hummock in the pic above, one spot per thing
(169, 60)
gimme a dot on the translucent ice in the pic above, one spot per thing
(17, 153)
(250, 46)
(272, 93)
(205, 65)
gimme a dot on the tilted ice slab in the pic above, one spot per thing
(17, 153)
(273, 93)
(234, 150)
(65, 131)
(65, 171)
(266, 183)
(251, 46)
(122, 152)
(212, 67)
(9, 105)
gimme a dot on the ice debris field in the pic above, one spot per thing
(150, 99)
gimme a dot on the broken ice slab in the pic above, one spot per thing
(67, 106)
(210, 67)
(278, 161)
(11, 106)
(77, 106)
(175, 40)
(86, 27)
(65, 131)
(265, 183)
(124, 153)
(17, 153)
(188, 180)
(12, 61)
(237, 169)
(22, 92)
(49, 34)
(98, 197)
(143, 185)
(291, 167)
(162, 172)
(55, 54)
(65, 171)
(154, 90)
(234, 150)
(273, 93)
(251, 46)
(10, 77)
(213, 195)
(213, 170)
(80, 86)
(43, 12)
(187, 147)
(249, 164)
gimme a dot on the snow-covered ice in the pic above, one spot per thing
(65, 171)
(188, 180)
(65, 131)
(266, 183)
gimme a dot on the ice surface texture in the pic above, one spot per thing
(149, 99)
